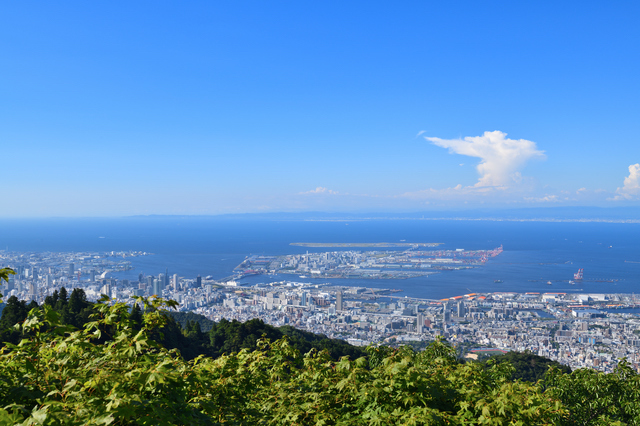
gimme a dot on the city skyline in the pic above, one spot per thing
(580, 329)
(205, 109)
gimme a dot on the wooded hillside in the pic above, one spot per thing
(114, 371)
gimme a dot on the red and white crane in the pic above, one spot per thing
(578, 275)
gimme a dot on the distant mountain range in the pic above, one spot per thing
(613, 214)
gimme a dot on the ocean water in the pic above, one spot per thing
(534, 252)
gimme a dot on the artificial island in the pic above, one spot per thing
(414, 261)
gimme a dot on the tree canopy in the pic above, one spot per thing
(115, 369)
(528, 366)
(61, 375)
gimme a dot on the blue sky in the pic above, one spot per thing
(119, 108)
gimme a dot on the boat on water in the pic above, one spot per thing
(549, 283)
(498, 281)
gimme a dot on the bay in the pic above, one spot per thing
(535, 253)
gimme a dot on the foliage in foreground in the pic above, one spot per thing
(528, 366)
(65, 376)
(180, 330)
(232, 336)
(113, 372)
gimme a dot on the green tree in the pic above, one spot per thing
(528, 366)
(63, 299)
(4, 274)
(52, 300)
(114, 371)
(15, 312)
(136, 317)
(595, 398)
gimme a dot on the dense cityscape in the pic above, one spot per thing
(576, 329)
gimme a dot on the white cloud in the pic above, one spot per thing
(631, 187)
(500, 158)
(457, 193)
(545, 199)
(319, 190)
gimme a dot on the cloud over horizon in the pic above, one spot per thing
(631, 185)
(319, 190)
(501, 158)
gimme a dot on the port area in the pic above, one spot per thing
(365, 245)
(374, 264)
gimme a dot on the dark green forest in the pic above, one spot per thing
(181, 331)
(73, 362)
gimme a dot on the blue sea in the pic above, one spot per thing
(534, 252)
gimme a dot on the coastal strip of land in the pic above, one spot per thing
(380, 245)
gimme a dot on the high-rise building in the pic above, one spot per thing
(339, 306)
(34, 273)
(303, 299)
(461, 309)
(71, 270)
(446, 313)
(106, 289)
(92, 275)
(161, 280)
(150, 282)
(198, 281)
(20, 271)
(420, 323)
(174, 283)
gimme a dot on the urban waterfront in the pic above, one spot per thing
(519, 299)
(534, 252)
